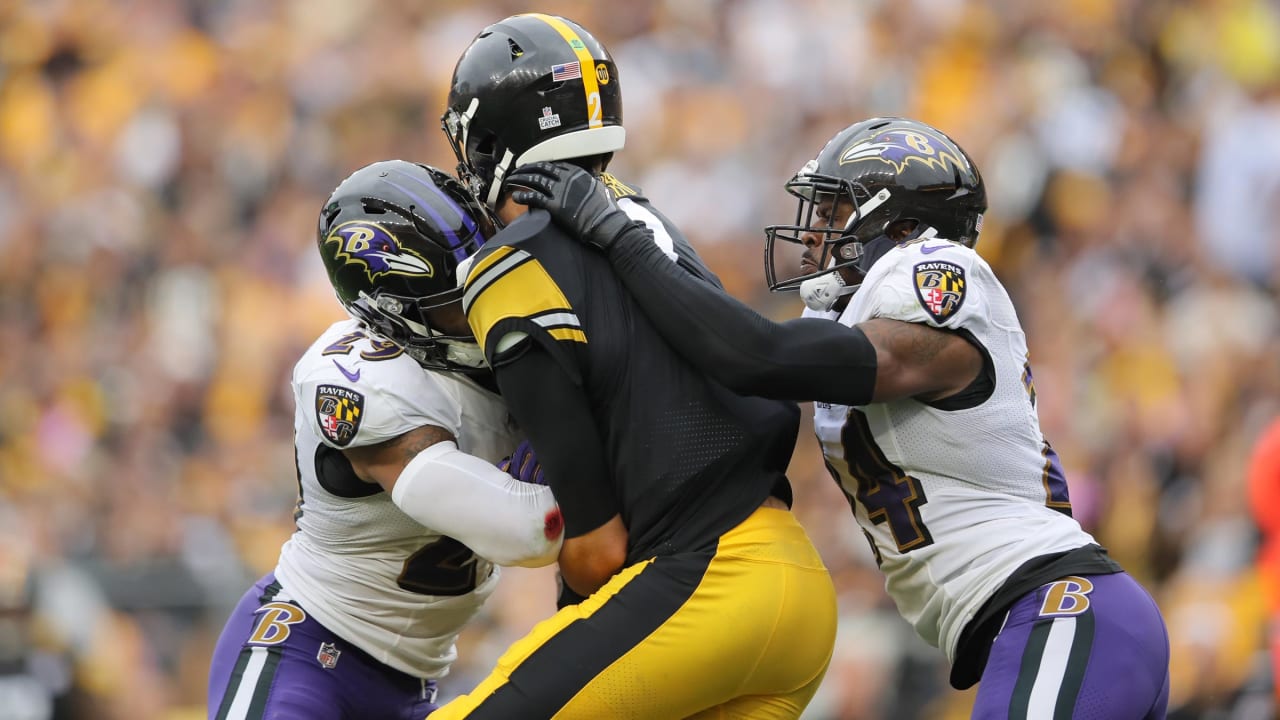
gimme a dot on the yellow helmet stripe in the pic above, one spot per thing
(587, 64)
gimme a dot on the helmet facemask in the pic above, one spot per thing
(477, 156)
(404, 321)
(819, 200)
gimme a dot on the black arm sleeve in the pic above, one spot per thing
(556, 416)
(803, 359)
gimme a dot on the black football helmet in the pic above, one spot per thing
(392, 236)
(531, 87)
(888, 169)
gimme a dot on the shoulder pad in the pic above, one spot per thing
(927, 282)
(352, 400)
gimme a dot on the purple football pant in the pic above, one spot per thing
(1080, 648)
(275, 661)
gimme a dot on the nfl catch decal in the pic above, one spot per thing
(940, 288)
(338, 411)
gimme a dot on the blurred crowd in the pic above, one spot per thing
(162, 163)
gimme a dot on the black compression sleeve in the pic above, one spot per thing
(556, 416)
(802, 359)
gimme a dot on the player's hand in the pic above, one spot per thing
(578, 202)
(523, 465)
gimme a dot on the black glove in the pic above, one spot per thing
(578, 202)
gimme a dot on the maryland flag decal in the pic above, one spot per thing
(940, 288)
(338, 413)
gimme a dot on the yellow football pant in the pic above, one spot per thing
(744, 630)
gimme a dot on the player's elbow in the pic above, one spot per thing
(546, 539)
(588, 561)
(534, 541)
(585, 575)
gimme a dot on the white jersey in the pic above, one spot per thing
(357, 563)
(953, 500)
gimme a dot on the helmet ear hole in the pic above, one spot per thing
(486, 146)
(901, 229)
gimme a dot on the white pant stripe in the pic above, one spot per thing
(1053, 665)
(248, 684)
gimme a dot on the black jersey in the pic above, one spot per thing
(689, 459)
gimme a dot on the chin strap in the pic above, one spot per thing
(467, 354)
(822, 292)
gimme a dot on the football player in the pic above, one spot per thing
(691, 589)
(925, 413)
(402, 516)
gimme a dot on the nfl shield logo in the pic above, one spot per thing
(328, 656)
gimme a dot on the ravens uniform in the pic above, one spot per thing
(360, 616)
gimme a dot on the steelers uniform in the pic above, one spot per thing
(723, 606)
(966, 508)
(362, 611)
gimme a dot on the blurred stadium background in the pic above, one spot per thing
(162, 163)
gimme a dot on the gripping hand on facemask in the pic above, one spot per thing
(577, 200)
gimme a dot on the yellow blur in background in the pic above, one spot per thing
(162, 164)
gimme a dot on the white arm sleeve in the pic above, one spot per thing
(503, 520)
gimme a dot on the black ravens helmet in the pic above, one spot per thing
(887, 169)
(392, 236)
(531, 87)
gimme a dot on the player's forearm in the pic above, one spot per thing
(588, 561)
(804, 359)
(500, 518)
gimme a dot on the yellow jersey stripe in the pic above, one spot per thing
(522, 291)
(488, 261)
(478, 281)
(590, 85)
(571, 334)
